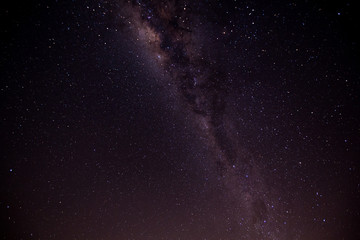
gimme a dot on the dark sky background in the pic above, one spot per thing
(180, 120)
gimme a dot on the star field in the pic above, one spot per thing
(180, 120)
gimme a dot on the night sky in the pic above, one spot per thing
(180, 120)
